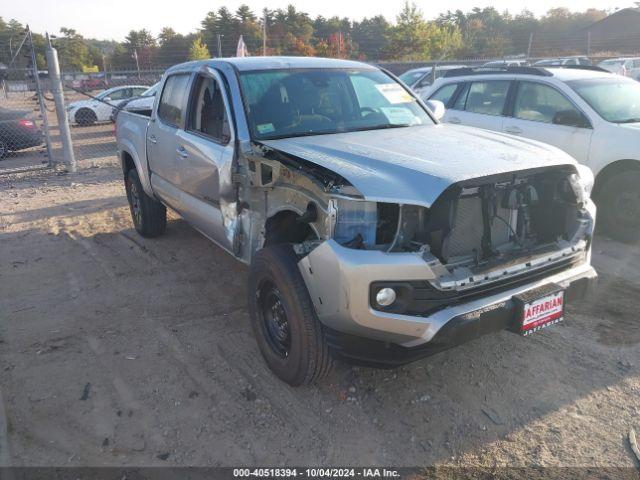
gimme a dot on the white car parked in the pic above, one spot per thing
(98, 108)
(420, 79)
(628, 67)
(592, 115)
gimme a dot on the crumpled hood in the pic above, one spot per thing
(415, 165)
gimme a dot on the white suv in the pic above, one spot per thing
(591, 114)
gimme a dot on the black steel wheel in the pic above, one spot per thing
(149, 216)
(287, 330)
(274, 316)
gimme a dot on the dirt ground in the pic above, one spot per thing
(116, 350)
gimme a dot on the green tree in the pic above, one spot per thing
(372, 36)
(72, 50)
(198, 50)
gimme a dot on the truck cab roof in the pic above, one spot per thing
(273, 63)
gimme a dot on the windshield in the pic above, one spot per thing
(612, 62)
(615, 99)
(412, 76)
(298, 102)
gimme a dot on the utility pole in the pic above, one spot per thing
(61, 111)
(588, 43)
(219, 45)
(264, 35)
(530, 45)
(135, 56)
(43, 108)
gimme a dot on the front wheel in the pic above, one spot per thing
(288, 332)
(619, 206)
(86, 117)
(149, 216)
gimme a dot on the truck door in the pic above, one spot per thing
(162, 140)
(205, 153)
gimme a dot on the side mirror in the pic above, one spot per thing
(107, 99)
(437, 108)
(571, 118)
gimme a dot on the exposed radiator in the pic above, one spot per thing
(466, 235)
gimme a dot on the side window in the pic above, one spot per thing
(636, 63)
(171, 106)
(207, 114)
(138, 91)
(445, 93)
(541, 103)
(461, 101)
(488, 97)
(119, 94)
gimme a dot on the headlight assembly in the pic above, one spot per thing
(586, 179)
(356, 223)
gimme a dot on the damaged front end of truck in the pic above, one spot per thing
(401, 274)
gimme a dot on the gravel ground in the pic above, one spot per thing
(117, 350)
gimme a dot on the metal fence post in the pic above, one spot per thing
(43, 108)
(61, 112)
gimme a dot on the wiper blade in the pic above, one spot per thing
(379, 127)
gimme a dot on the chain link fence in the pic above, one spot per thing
(92, 103)
(22, 121)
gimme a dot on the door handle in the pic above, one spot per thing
(513, 130)
(152, 139)
(182, 153)
(455, 120)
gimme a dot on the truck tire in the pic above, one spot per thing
(619, 206)
(149, 216)
(288, 332)
(86, 117)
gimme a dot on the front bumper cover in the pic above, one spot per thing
(460, 329)
(339, 279)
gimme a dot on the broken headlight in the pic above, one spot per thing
(576, 188)
(356, 222)
(586, 179)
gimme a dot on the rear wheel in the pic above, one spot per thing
(288, 332)
(149, 216)
(619, 206)
(86, 117)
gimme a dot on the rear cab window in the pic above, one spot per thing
(171, 108)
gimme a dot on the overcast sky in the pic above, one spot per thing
(112, 19)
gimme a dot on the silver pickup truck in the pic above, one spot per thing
(373, 233)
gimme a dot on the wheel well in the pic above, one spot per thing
(127, 162)
(613, 168)
(285, 227)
